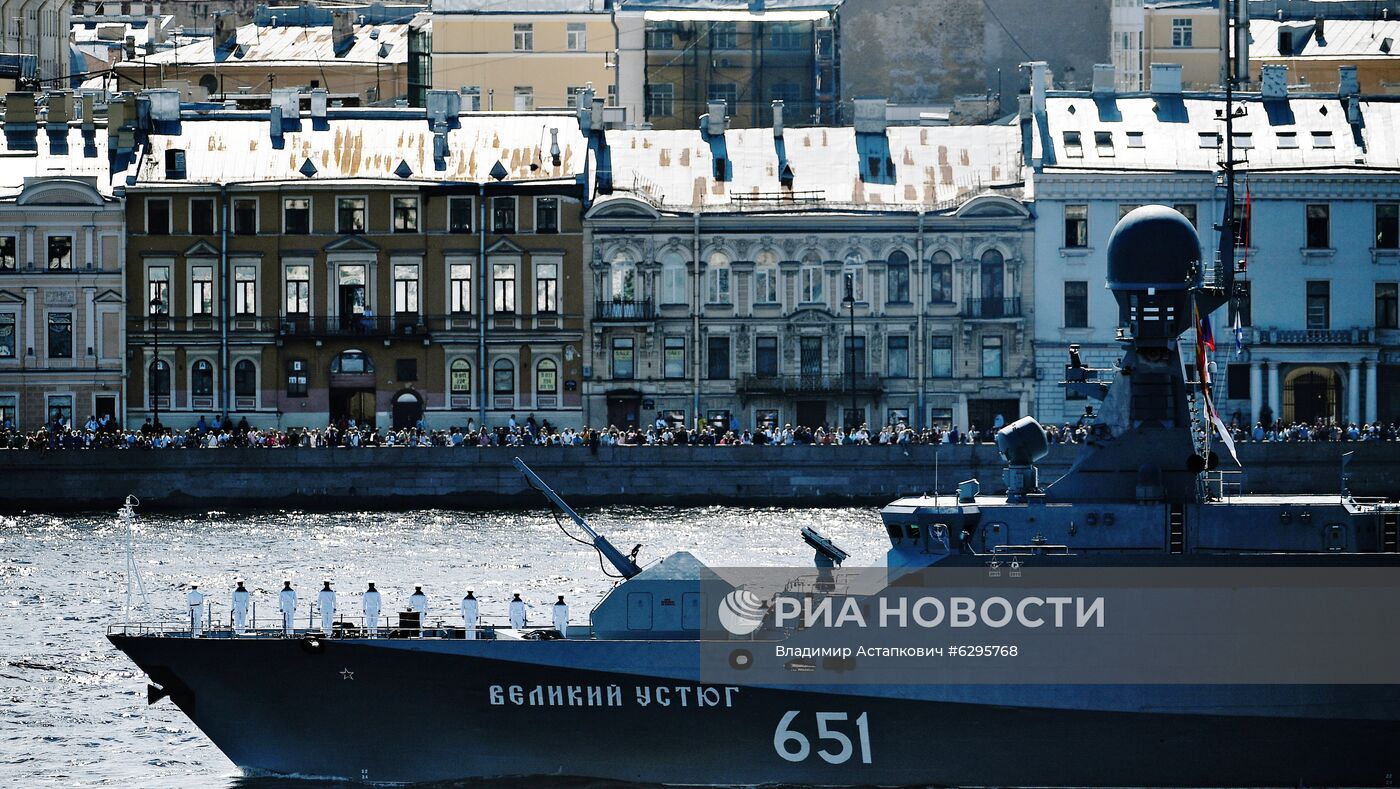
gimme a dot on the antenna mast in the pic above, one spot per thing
(127, 515)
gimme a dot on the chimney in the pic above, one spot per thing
(1040, 84)
(554, 152)
(60, 108)
(1274, 81)
(318, 104)
(871, 116)
(597, 117)
(1166, 79)
(225, 31)
(342, 31)
(289, 101)
(89, 109)
(1347, 84)
(19, 110)
(1104, 79)
(165, 104)
(715, 118)
(1320, 31)
(129, 48)
(443, 106)
(584, 111)
(274, 116)
(778, 118)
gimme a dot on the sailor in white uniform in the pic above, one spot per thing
(517, 612)
(195, 599)
(561, 616)
(371, 604)
(419, 602)
(326, 601)
(471, 615)
(240, 607)
(287, 603)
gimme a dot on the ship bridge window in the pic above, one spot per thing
(895, 530)
(913, 530)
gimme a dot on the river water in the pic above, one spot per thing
(73, 711)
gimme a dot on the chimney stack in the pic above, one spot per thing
(715, 118)
(778, 118)
(871, 116)
(1273, 80)
(1040, 85)
(225, 31)
(60, 108)
(1347, 83)
(1104, 79)
(318, 104)
(598, 103)
(584, 111)
(1166, 79)
(342, 31)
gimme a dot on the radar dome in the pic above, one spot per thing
(1152, 247)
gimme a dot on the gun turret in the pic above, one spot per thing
(625, 565)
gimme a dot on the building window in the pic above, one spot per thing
(661, 100)
(991, 357)
(245, 290)
(1319, 314)
(1387, 306)
(201, 216)
(202, 379)
(461, 288)
(577, 37)
(459, 214)
(1135, 140)
(1240, 304)
(350, 214)
(673, 290)
(547, 377)
(7, 253)
(460, 377)
(809, 358)
(1074, 145)
(296, 378)
(546, 287)
(765, 278)
(546, 215)
(897, 356)
(1127, 208)
(245, 216)
(853, 279)
(726, 92)
(1076, 305)
(724, 35)
(60, 410)
(1319, 226)
(524, 37)
(1237, 381)
(158, 379)
(810, 278)
(898, 276)
(1181, 32)
(717, 280)
(1187, 210)
(785, 35)
(503, 214)
(660, 38)
(503, 377)
(1387, 225)
(1076, 226)
(60, 253)
(1208, 139)
(7, 335)
(405, 214)
(158, 216)
(940, 288)
(1241, 219)
(202, 290)
(1322, 139)
(940, 356)
(298, 290)
(718, 357)
(623, 362)
(1288, 139)
(853, 355)
(60, 335)
(524, 98)
(296, 216)
(406, 369)
(993, 283)
(158, 290)
(503, 287)
(765, 357)
(405, 288)
(245, 379)
(673, 363)
(1242, 140)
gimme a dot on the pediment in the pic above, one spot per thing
(811, 316)
(623, 208)
(505, 246)
(992, 206)
(10, 297)
(351, 244)
(109, 297)
(59, 191)
(202, 249)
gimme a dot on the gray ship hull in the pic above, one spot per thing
(409, 710)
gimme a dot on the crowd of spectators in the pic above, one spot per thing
(215, 433)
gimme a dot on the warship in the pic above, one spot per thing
(630, 696)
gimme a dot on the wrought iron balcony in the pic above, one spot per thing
(992, 308)
(623, 310)
(1353, 336)
(408, 325)
(810, 384)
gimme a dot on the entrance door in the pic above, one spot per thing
(408, 409)
(104, 405)
(352, 306)
(623, 410)
(1314, 398)
(356, 404)
(811, 413)
(982, 414)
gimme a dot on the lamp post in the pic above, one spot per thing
(157, 310)
(850, 302)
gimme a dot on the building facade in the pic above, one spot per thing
(721, 262)
(386, 266)
(38, 28)
(1319, 249)
(62, 344)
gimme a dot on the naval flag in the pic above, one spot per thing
(1239, 335)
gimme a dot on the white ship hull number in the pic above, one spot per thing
(795, 746)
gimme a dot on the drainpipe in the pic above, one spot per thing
(921, 352)
(481, 376)
(695, 318)
(224, 288)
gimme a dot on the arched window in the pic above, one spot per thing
(940, 280)
(546, 377)
(810, 278)
(461, 375)
(765, 278)
(673, 287)
(503, 377)
(717, 280)
(993, 277)
(622, 278)
(202, 379)
(158, 378)
(897, 268)
(351, 362)
(245, 379)
(853, 275)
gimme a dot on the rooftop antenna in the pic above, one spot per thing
(127, 515)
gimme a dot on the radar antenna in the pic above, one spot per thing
(626, 565)
(127, 515)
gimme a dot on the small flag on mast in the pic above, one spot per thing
(1239, 335)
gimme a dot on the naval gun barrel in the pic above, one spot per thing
(624, 565)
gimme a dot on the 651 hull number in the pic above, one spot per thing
(794, 746)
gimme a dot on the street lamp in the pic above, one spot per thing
(157, 310)
(850, 302)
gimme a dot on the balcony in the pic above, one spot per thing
(1353, 336)
(623, 311)
(992, 308)
(810, 384)
(352, 326)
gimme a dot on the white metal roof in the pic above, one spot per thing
(294, 44)
(1343, 38)
(933, 167)
(366, 145)
(49, 160)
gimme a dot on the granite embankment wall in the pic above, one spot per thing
(484, 478)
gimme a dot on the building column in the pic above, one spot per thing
(1373, 371)
(1353, 392)
(1025, 402)
(1275, 395)
(960, 413)
(1256, 392)
(89, 324)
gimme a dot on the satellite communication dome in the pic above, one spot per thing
(1152, 247)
